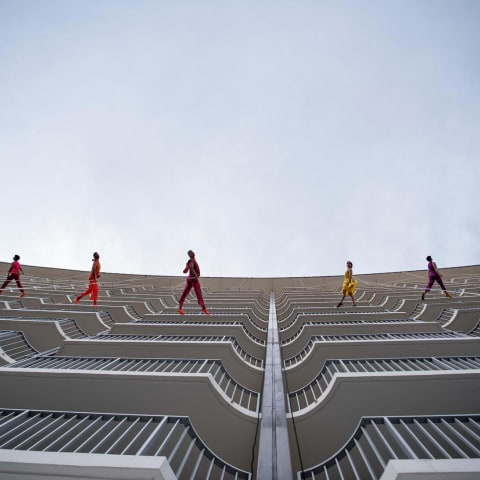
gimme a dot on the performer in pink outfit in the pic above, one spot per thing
(193, 281)
(14, 274)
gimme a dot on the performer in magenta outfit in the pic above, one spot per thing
(434, 276)
(193, 281)
(14, 274)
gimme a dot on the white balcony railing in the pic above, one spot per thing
(380, 439)
(144, 435)
(15, 345)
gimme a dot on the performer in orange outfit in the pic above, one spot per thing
(92, 289)
(192, 282)
(14, 274)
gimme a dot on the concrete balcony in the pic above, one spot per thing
(323, 430)
(90, 322)
(28, 304)
(303, 368)
(14, 346)
(342, 314)
(242, 367)
(304, 399)
(211, 412)
(236, 393)
(345, 310)
(247, 342)
(79, 445)
(260, 320)
(299, 342)
(257, 329)
(444, 447)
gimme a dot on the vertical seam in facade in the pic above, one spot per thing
(274, 457)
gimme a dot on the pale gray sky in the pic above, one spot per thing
(272, 137)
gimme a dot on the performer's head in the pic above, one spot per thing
(429, 258)
(349, 264)
(96, 256)
(191, 254)
(16, 258)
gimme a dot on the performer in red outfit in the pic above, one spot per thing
(14, 274)
(92, 289)
(193, 281)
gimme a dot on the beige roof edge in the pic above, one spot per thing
(260, 277)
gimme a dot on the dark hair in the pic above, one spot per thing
(191, 253)
(348, 261)
(96, 255)
(16, 258)
(429, 258)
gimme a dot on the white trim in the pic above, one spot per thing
(444, 469)
(455, 313)
(421, 311)
(87, 466)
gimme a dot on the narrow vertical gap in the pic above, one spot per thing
(274, 458)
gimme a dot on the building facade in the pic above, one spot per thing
(276, 383)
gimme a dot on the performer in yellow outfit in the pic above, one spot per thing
(349, 285)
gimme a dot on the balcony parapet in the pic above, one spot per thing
(206, 328)
(238, 348)
(300, 340)
(311, 394)
(379, 440)
(14, 346)
(306, 369)
(226, 350)
(243, 318)
(235, 392)
(173, 437)
(369, 338)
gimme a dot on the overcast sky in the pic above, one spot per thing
(275, 138)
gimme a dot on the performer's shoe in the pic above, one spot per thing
(447, 294)
(339, 304)
(423, 296)
(205, 311)
(181, 311)
(77, 300)
(22, 294)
